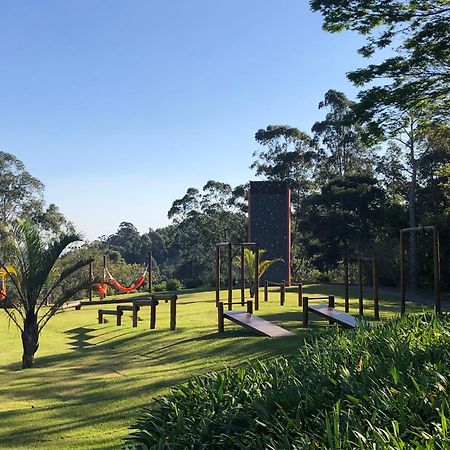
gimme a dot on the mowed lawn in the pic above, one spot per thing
(91, 381)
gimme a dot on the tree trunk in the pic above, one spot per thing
(252, 288)
(30, 340)
(413, 222)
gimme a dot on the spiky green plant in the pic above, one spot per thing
(249, 266)
(40, 286)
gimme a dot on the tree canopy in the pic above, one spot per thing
(417, 74)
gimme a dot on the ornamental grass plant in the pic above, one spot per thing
(379, 386)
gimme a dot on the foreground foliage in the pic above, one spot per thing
(381, 388)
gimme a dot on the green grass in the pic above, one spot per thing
(91, 381)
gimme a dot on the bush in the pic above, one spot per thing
(382, 387)
(162, 286)
(173, 284)
(195, 283)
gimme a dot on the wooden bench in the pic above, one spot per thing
(110, 312)
(328, 311)
(134, 308)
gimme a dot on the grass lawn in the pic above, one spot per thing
(90, 381)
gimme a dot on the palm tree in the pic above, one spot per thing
(38, 282)
(249, 266)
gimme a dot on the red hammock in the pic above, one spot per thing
(121, 288)
(3, 290)
(102, 288)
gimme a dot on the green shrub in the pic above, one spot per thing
(195, 283)
(173, 284)
(384, 387)
(161, 286)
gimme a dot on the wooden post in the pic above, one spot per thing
(282, 293)
(136, 309)
(346, 296)
(360, 288)
(300, 294)
(105, 263)
(153, 314)
(266, 291)
(437, 271)
(376, 306)
(173, 314)
(91, 270)
(249, 306)
(150, 271)
(220, 318)
(305, 311)
(242, 275)
(100, 316)
(217, 275)
(230, 275)
(331, 305)
(257, 277)
(402, 275)
(119, 318)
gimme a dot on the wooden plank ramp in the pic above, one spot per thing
(341, 318)
(256, 324)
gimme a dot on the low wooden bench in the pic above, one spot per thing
(110, 312)
(328, 311)
(134, 308)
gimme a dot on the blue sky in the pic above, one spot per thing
(118, 106)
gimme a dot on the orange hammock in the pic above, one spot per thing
(3, 290)
(102, 288)
(134, 286)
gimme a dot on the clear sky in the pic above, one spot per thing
(118, 106)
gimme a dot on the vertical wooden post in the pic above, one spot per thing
(266, 291)
(250, 307)
(331, 305)
(173, 313)
(360, 288)
(346, 296)
(153, 304)
(437, 271)
(119, 317)
(91, 277)
(376, 306)
(105, 265)
(300, 294)
(136, 309)
(150, 271)
(242, 275)
(305, 311)
(282, 293)
(230, 275)
(257, 277)
(220, 318)
(217, 275)
(402, 275)
(100, 316)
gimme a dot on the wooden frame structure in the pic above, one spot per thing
(229, 247)
(282, 286)
(375, 286)
(436, 266)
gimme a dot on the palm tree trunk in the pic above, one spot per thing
(30, 340)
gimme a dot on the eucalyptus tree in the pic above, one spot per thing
(39, 285)
(342, 138)
(21, 194)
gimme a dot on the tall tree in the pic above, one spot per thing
(417, 75)
(21, 194)
(38, 283)
(342, 139)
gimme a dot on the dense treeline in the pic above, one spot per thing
(349, 198)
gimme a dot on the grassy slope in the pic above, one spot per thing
(91, 381)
